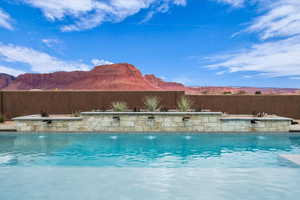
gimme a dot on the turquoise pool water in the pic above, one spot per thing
(148, 166)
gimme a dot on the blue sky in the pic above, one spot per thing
(196, 42)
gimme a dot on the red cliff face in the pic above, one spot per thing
(107, 77)
(5, 80)
(162, 85)
(115, 77)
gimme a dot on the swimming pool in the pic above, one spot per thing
(148, 166)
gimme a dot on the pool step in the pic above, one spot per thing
(294, 158)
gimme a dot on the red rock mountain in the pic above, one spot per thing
(113, 77)
(162, 85)
(106, 77)
(5, 80)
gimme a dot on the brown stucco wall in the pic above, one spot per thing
(283, 105)
(18, 103)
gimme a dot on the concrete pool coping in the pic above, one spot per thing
(52, 118)
(152, 113)
(258, 118)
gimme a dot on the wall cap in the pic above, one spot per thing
(151, 113)
(256, 118)
(39, 118)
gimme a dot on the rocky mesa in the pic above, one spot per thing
(116, 77)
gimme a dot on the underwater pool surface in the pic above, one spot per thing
(148, 166)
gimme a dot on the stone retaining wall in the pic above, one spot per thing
(152, 122)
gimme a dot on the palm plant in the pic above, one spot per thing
(119, 106)
(152, 103)
(184, 104)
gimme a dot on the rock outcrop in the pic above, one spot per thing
(5, 80)
(117, 77)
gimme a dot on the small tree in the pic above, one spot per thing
(184, 104)
(119, 106)
(258, 92)
(152, 103)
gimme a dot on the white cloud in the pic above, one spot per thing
(49, 42)
(281, 18)
(98, 62)
(10, 71)
(234, 3)
(88, 14)
(221, 72)
(5, 20)
(38, 61)
(279, 58)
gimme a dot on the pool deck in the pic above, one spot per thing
(292, 158)
(8, 126)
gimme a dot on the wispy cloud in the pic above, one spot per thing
(38, 61)
(50, 42)
(98, 62)
(280, 58)
(11, 71)
(280, 21)
(5, 20)
(88, 14)
(234, 3)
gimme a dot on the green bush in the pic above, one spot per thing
(1, 118)
(152, 103)
(119, 106)
(227, 93)
(184, 104)
(76, 114)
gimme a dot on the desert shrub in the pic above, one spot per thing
(205, 92)
(76, 114)
(184, 104)
(152, 103)
(258, 92)
(44, 113)
(1, 118)
(227, 92)
(119, 106)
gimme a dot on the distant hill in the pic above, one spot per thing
(5, 80)
(116, 77)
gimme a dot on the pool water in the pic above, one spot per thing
(148, 166)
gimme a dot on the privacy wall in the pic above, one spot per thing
(283, 105)
(18, 103)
